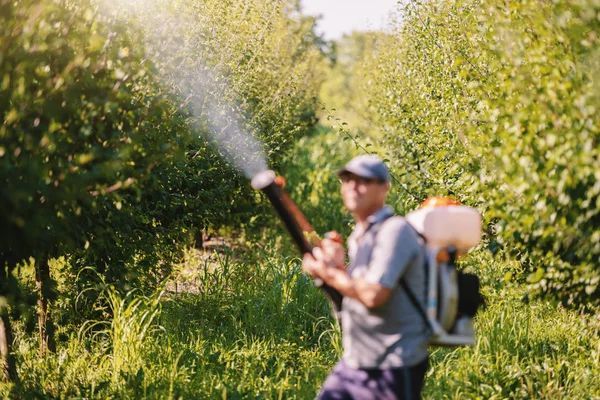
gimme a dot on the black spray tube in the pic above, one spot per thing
(286, 208)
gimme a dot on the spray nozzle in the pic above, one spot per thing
(263, 179)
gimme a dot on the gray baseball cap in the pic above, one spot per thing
(366, 166)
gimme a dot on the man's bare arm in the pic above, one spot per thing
(372, 295)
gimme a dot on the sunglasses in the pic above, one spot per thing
(359, 180)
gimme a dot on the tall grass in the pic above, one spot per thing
(263, 331)
(131, 317)
(523, 351)
(246, 326)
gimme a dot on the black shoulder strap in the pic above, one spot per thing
(415, 303)
(404, 285)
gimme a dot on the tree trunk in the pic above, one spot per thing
(7, 360)
(45, 287)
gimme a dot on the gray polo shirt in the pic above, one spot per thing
(394, 334)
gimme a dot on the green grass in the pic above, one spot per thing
(534, 351)
(245, 328)
(262, 331)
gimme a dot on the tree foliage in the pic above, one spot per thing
(83, 121)
(123, 123)
(496, 104)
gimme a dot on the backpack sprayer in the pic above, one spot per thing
(295, 223)
(449, 230)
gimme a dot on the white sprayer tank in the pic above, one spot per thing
(452, 225)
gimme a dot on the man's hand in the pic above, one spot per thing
(326, 263)
(313, 266)
(331, 254)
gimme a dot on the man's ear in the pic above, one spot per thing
(386, 191)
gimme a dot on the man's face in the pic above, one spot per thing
(363, 195)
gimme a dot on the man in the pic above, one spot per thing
(385, 338)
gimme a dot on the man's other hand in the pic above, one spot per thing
(312, 266)
(333, 253)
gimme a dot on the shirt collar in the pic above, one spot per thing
(378, 216)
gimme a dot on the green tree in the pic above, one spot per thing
(110, 123)
(496, 105)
